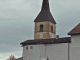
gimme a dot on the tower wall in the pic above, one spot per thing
(46, 30)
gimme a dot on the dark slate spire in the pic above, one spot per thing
(45, 5)
(45, 14)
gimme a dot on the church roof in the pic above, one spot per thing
(45, 14)
(75, 30)
(46, 41)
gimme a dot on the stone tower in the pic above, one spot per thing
(45, 25)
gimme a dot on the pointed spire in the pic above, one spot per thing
(45, 5)
(45, 14)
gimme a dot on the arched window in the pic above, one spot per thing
(52, 29)
(41, 28)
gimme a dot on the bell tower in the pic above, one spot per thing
(45, 25)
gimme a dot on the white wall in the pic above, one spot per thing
(57, 51)
(53, 51)
(75, 47)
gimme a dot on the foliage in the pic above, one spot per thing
(11, 58)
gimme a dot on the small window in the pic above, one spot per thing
(31, 47)
(41, 28)
(52, 29)
(26, 48)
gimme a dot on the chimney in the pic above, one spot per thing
(57, 36)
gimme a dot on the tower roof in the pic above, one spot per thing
(45, 14)
(45, 5)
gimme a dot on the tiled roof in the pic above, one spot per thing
(21, 58)
(75, 30)
(46, 41)
(45, 14)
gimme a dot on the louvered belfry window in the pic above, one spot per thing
(41, 28)
(52, 29)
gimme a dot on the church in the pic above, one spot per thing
(46, 45)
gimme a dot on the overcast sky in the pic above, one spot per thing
(17, 16)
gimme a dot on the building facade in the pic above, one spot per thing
(45, 25)
(75, 44)
(46, 52)
(45, 45)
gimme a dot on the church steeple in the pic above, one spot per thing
(45, 14)
(45, 5)
(45, 25)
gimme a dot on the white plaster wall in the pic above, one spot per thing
(34, 53)
(75, 47)
(57, 51)
(53, 51)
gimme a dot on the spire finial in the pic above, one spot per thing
(45, 5)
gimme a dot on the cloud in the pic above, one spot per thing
(15, 8)
(4, 56)
(66, 13)
(9, 48)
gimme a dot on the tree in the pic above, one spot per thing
(11, 58)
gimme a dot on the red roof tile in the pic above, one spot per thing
(75, 30)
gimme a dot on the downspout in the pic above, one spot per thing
(68, 51)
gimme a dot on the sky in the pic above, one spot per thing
(17, 22)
